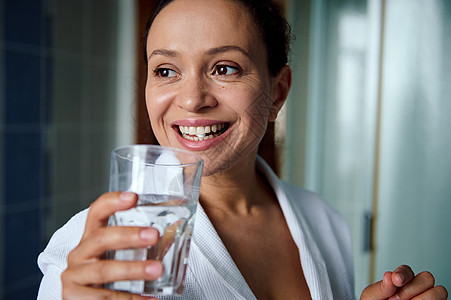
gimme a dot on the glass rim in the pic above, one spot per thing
(198, 159)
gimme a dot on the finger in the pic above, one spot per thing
(105, 206)
(402, 275)
(105, 271)
(167, 240)
(419, 284)
(380, 290)
(88, 293)
(112, 238)
(437, 293)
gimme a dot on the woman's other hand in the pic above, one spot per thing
(403, 284)
(86, 270)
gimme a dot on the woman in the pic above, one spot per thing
(217, 73)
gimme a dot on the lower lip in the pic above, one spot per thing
(200, 145)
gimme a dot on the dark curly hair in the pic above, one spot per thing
(273, 27)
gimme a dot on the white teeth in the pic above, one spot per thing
(201, 133)
(196, 138)
(200, 130)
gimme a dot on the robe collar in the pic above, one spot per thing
(208, 242)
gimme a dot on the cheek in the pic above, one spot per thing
(157, 102)
(253, 98)
(157, 107)
(251, 104)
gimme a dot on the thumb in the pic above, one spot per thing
(380, 290)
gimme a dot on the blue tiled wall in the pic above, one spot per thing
(24, 52)
(23, 94)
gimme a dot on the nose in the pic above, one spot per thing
(195, 95)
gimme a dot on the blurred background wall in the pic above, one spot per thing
(366, 126)
(68, 83)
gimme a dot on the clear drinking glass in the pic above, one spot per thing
(167, 183)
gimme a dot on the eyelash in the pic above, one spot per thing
(237, 70)
(158, 72)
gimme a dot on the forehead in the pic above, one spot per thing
(204, 23)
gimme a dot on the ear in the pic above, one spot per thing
(280, 89)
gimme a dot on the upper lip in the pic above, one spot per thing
(197, 122)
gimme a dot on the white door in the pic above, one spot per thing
(368, 126)
(414, 205)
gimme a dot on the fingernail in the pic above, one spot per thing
(394, 297)
(147, 234)
(154, 269)
(401, 276)
(126, 196)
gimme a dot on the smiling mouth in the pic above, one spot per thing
(202, 133)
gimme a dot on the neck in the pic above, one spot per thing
(233, 191)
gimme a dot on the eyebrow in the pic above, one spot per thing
(163, 52)
(213, 51)
(223, 49)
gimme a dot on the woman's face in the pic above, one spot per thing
(208, 87)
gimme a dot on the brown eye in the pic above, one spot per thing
(163, 72)
(224, 70)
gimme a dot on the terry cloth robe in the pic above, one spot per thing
(319, 232)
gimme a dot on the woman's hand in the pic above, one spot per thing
(86, 272)
(403, 284)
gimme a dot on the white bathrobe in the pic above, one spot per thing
(319, 232)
